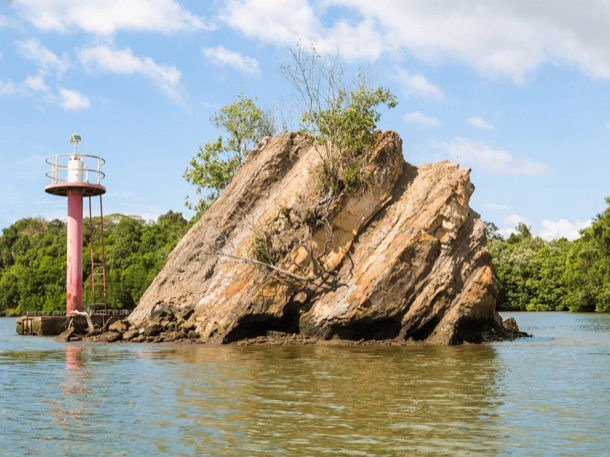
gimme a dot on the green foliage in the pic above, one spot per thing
(340, 115)
(492, 231)
(588, 267)
(33, 261)
(530, 271)
(546, 284)
(212, 169)
(263, 250)
(536, 275)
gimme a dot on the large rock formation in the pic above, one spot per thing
(403, 259)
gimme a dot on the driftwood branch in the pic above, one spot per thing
(268, 266)
(81, 313)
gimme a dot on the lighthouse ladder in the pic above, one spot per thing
(98, 261)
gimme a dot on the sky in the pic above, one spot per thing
(518, 91)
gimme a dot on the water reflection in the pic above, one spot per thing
(74, 358)
(543, 396)
(68, 408)
(352, 401)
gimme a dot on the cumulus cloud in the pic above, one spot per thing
(498, 38)
(287, 21)
(69, 100)
(31, 83)
(106, 17)
(123, 61)
(224, 57)
(490, 160)
(35, 51)
(72, 100)
(553, 230)
(418, 86)
(479, 123)
(511, 222)
(421, 119)
(36, 83)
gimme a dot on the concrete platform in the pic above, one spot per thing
(54, 325)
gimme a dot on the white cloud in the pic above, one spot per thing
(495, 206)
(35, 83)
(485, 158)
(286, 21)
(1, 54)
(418, 86)
(222, 56)
(106, 17)
(608, 125)
(514, 220)
(479, 123)
(562, 228)
(123, 61)
(8, 87)
(35, 51)
(71, 100)
(421, 119)
(511, 222)
(498, 38)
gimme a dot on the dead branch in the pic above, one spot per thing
(81, 313)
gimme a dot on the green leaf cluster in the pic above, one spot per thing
(340, 114)
(33, 260)
(211, 170)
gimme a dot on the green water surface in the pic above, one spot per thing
(548, 395)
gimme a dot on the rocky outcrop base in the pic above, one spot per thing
(163, 326)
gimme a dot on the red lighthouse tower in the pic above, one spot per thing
(76, 176)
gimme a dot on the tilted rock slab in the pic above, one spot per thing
(410, 256)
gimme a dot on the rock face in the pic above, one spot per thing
(403, 259)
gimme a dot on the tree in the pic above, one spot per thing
(588, 267)
(340, 115)
(526, 271)
(212, 169)
(492, 231)
(546, 284)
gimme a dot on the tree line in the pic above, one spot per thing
(537, 275)
(33, 260)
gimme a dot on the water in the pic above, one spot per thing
(549, 395)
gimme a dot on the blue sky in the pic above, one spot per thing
(518, 91)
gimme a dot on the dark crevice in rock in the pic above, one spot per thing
(368, 329)
(255, 325)
(424, 331)
(471, 330)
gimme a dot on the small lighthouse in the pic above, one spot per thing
(76, 176)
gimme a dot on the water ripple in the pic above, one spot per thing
(545, 396)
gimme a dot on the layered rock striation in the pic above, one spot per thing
(403, 258)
